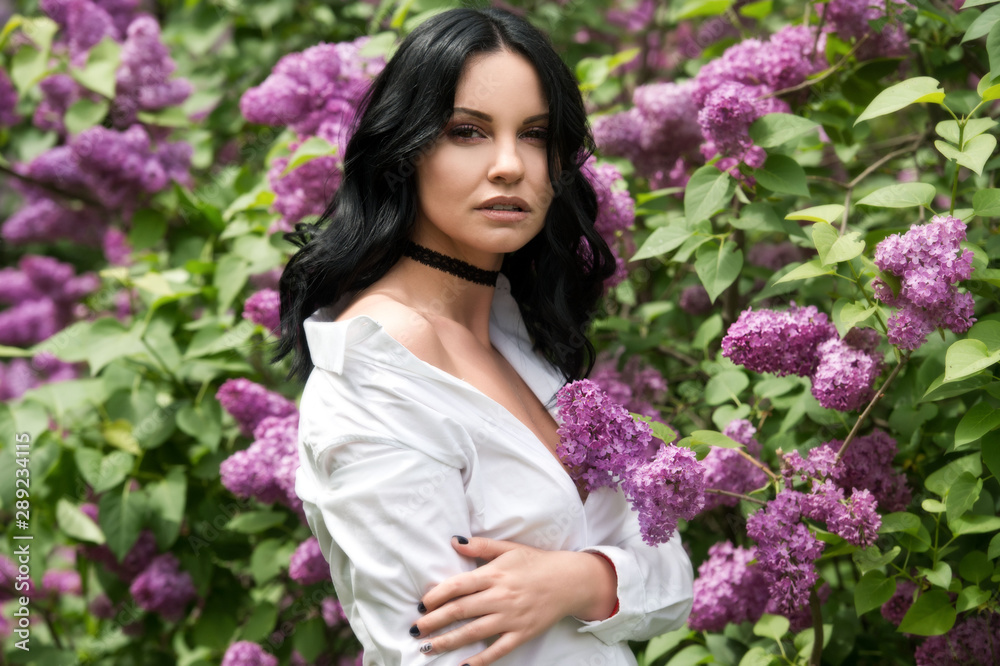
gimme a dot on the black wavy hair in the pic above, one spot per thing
(556, 282)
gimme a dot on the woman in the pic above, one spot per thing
(436, 316)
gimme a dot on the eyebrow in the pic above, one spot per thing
(488, 118)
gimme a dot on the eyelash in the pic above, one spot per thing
(540, 133)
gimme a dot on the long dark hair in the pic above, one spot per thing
(554, 280)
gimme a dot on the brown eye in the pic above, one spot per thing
(465, 132)
(537, 133)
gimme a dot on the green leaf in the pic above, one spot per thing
(983, 24)
(993, 551)
(775, 129)
(167, 499)
(873, 590)
(899, 522)
(939, 576)
(660, 430)
(810, 269)
(84, 114)
(692, 8)
(987, 332)
(708, 191)
(230, 276)
(261, 622)
(930, 615)
(912, 91)
(976, 152)
(27, 67)
(725, 386)
(971, 597)
(148, 228)
(834, 248)
(103, 472)
(713, 438)
(931, 505)
(939, 389)
(781, 173)
(757, 10)
(121, 515)
(991, 453)
(972, 523)
(99, 72)
(663, 240)
(203, 422)
(771, 626)
(758, 656)
(827, 213)
(901, 195)
(853, 314)
(967, 357)
(979, 420)
(975, 567)
(664, 643)
(255, 521)
(991, 93)
(309, 639)
(718, 267)
(309, 150)
(986, 202)
(76, 524)
(940, 482)
(962, 495)
(760, 216)
(257, 198)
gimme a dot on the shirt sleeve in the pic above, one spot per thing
(384, 515)
(655, 583)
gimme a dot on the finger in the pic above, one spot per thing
(454, 587)
(484, 549)
(500, 648)
(477, 630)
(457, 610)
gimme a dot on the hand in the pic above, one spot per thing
(518, 594)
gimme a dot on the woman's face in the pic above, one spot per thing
(484, 186)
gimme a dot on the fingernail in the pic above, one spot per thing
(461, 539)
(421, 608)
(414, 631)
(425, 648)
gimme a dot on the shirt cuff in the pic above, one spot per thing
(607, 559)
(631, 598)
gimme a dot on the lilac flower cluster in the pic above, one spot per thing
(316, 93)
(845, 374)
(776, 256)
(729, 589)
(8, 102)
(974, 640)
(725, 120)
(163, 588)
(21, 374)
(598, 437)
(726, 469)
(41, 219)
(143, 80)
(245, 653)
(250, 403)
(8, 580)
(928, 261)
(42, 293)
(895, 609)
(854, 20)
(263, 308)
(637, 387)
(782, 342)
(695, 301)
(266, 469)
(604, 446)
(59, 91)
(615, 212)
(307, 564)
(333, 612)
(139, 556)
(867, 464)
(58, 582)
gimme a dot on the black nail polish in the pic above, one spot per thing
(421, 608)
(461, 539)
(414, 631)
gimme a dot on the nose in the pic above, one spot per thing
(507, 166)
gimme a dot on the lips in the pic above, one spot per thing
(505, 201)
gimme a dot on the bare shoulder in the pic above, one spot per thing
(410, 328)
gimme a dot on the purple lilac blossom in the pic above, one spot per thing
(615, 207)
(867, 464)
(695, 300)
(101, 607)
(729, 589)
(637, 387)
(844, 376)
(786, 551)
(263, 308)
(86, 25)
(61, 582)
(8, 102)
(8, 580)
(634, 17)
(41, 219)
(307, 564)
(900, 601)
(928, 261)
(820, 463)
(800, 617)
(885, 36)
(136, 560)
(780, 342)
(333, 612)
(266, 469)
(250, 403)
(726, 469)
(664, 489)
(21, 374)
(974, 640)
(245, 653)
(117, 250)
(143, 78)
(59, 91)
(776, 256)
(42, 292)
(305, 190)
(598, 438)
(725, 120)
(163, 588)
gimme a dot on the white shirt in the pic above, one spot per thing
(398, 455)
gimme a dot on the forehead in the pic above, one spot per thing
(501, 81)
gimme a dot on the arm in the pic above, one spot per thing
(384, 516)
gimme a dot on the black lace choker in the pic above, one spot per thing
(456, 267)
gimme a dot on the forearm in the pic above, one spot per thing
(592, 578)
